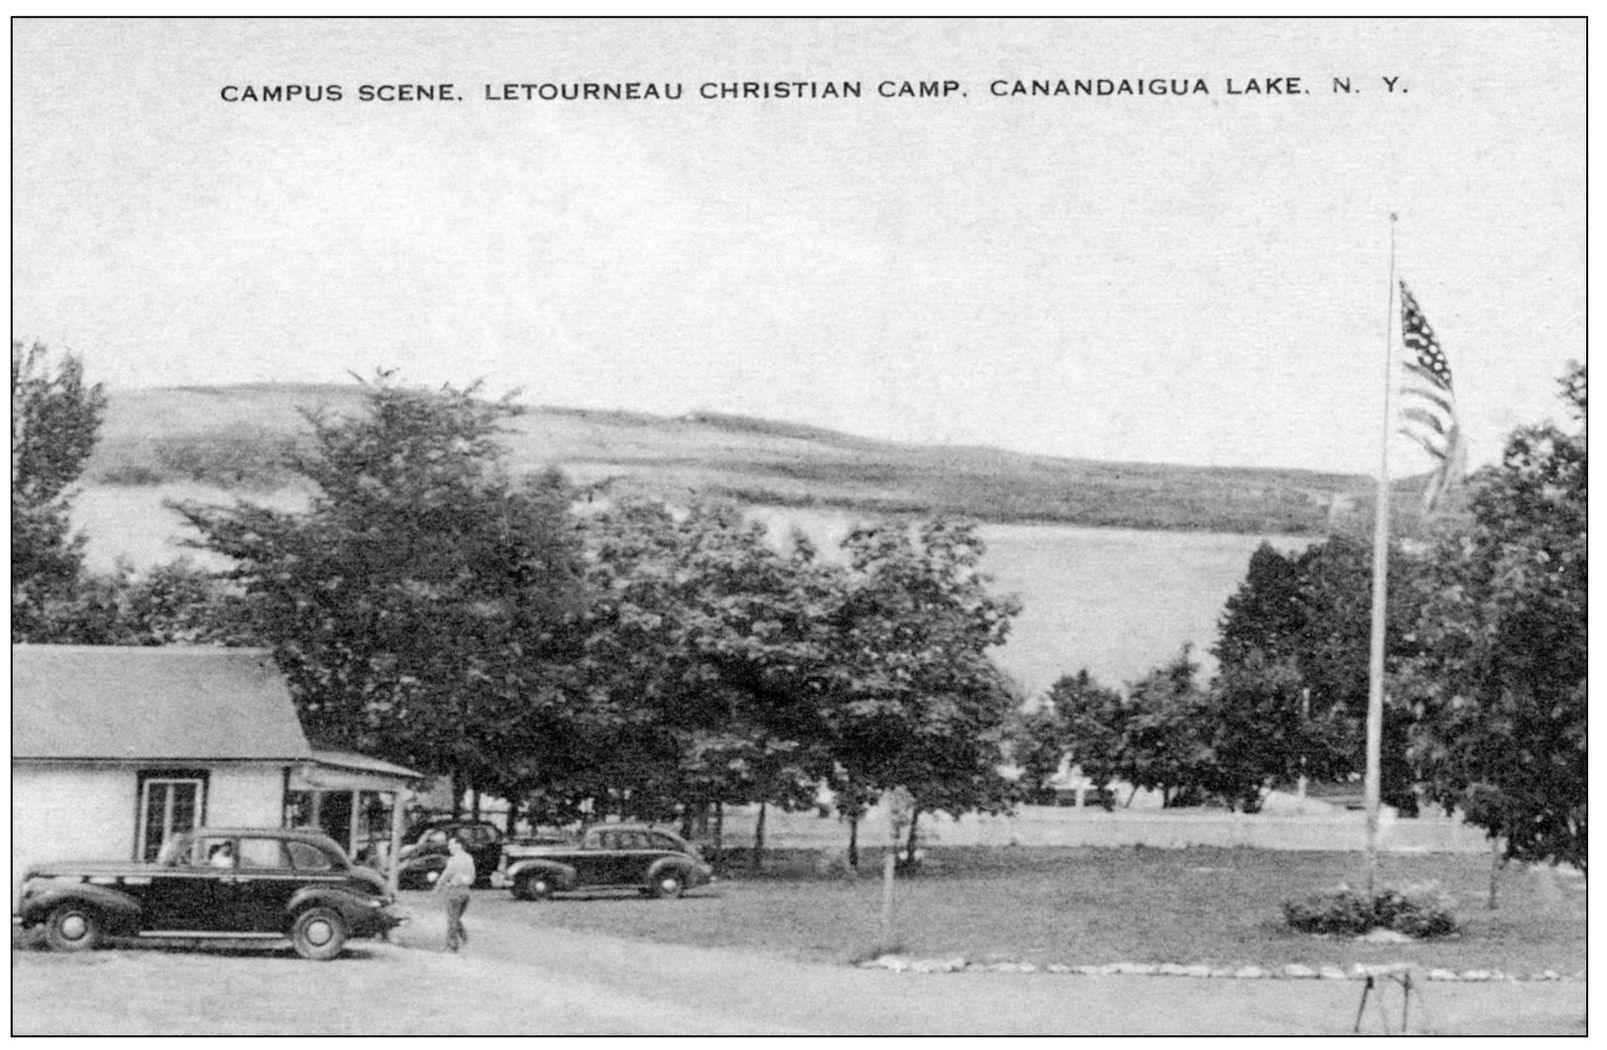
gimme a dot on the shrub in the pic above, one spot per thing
(1418, 911)
(1340, 910)
(1422, 910)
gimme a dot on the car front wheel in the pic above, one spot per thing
(75, 928)
(319, 933)
(668, 885)
(532, 887)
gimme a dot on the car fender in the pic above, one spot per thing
(352, 906)
(122, 910)
(563, 876)
(427, 862)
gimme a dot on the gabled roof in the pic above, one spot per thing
(179, 703)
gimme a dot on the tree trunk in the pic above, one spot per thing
(686, 820)
(1495, 867)
(757, 858)
(474, 803)
(853, 843)
(457, 793)
(719, 827)
(909, 843)
(513, 815)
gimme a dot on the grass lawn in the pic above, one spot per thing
(1095, 906)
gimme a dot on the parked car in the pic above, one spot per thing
(423, 851)
(655, 862)
(226, 883)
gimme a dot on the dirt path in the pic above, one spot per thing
(515, 977)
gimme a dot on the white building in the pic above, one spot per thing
(114, 749)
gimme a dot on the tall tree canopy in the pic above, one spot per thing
(1311, 612)
(913, 697)
(1499, 691)
(702, 644)
(1259, 733)
(55, 420)
(418, 603)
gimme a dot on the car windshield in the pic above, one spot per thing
(307, 857)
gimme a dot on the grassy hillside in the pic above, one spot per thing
(232, 438)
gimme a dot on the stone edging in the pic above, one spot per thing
(1294, 971)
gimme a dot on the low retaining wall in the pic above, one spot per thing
(1161, 829)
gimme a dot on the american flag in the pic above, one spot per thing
(1429, 417)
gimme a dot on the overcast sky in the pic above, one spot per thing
(1198, 278)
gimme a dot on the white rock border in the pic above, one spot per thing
(1294, 971)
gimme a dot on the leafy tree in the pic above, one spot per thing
(1499, 691)
(912, 695)
(1081, 722)
(419, 605)
(1038, 746)
(1312, 611)
(55, 420)
(1163, 745)
(177, 602)
(1095, 719)
(700, 648)
(1257, 733)
(1267, 614)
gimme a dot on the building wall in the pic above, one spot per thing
(70, 813)
(246, 796)
(83, 811)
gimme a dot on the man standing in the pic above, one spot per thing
(455, 880)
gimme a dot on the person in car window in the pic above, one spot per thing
(454, 883)
(222, 855)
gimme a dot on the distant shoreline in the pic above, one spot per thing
(230, 437)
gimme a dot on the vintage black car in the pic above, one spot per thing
(616, 856)
(227, 883)
(424, 850)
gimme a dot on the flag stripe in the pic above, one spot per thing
(1438, 401)
(1428, 419)
(1429, 379)
(1428, 446)
(1429, 375)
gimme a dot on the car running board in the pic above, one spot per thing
(214, 935)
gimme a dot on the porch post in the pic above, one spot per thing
(399, 799)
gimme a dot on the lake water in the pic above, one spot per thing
(1117, 601)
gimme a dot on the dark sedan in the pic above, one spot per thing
(609, 856)
(226, 883)
(424, 850)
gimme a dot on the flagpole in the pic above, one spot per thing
(1375, 666)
